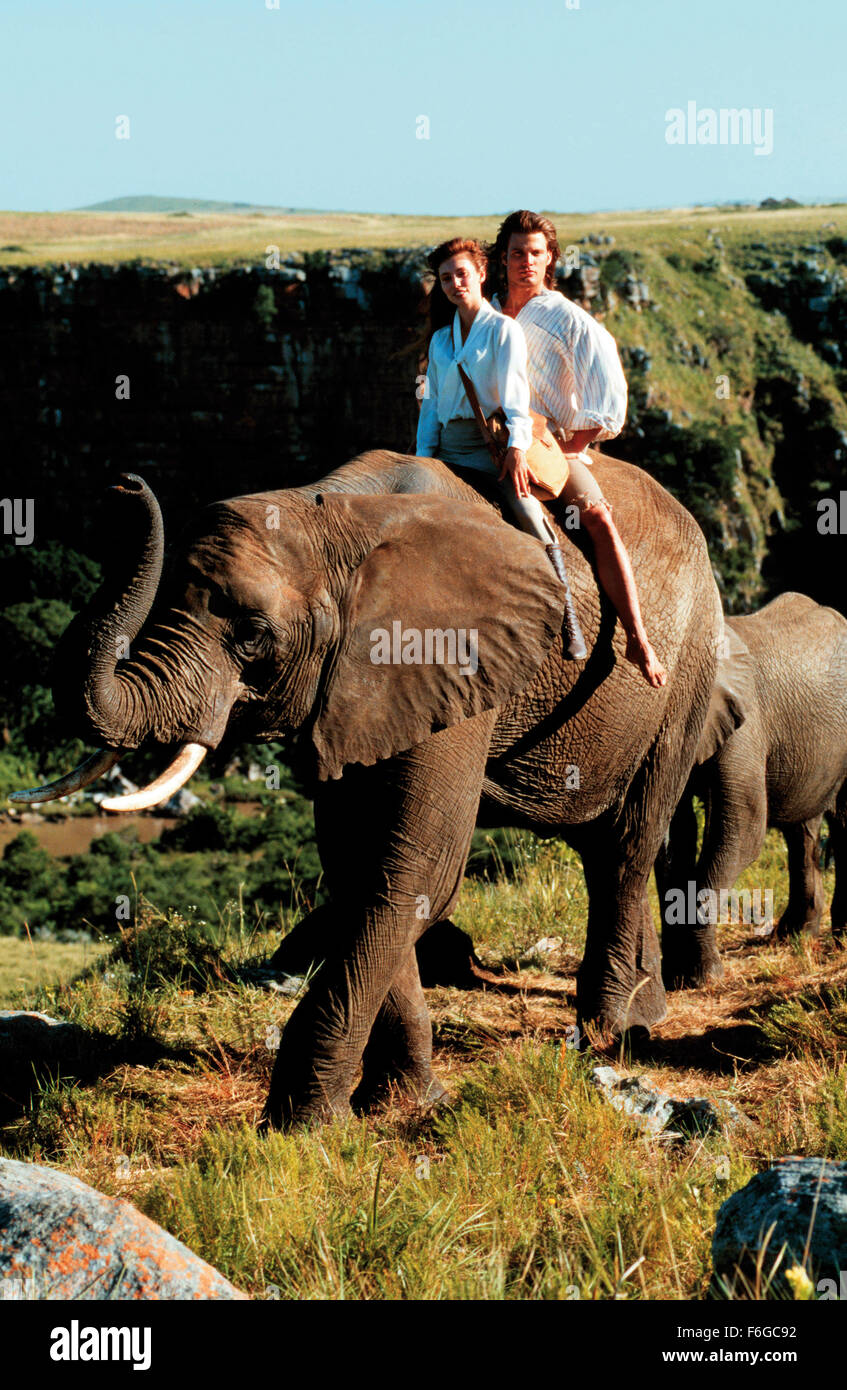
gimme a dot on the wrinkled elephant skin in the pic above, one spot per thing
(307, 612)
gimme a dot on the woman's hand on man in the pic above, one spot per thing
(515, 464)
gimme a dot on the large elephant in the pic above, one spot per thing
(275, 617)
(785, 766)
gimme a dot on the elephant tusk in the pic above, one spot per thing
(184, 765)
(87, 772)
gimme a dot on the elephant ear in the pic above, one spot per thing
(733, 694)
(450, 612)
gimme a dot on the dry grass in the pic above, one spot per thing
(528, 1186)
(26, 965)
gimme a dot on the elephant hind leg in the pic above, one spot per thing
(308, 943)
(619, 983)
(399, 1050)
(805, 892)
(837, 821)
(690, 956)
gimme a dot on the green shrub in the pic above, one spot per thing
(30, 885)
(169, 951)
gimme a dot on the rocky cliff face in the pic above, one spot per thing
(212, 383)
(208, 384)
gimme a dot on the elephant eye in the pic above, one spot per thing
(250, 637)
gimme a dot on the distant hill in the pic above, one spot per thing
(149, 202)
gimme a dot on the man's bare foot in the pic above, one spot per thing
(641, 654)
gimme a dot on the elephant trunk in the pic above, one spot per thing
(87, 686)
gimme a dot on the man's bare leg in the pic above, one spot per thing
(618, 581)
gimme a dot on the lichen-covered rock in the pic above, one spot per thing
(804, 1200)
(647, 1108)
(60, 1239)
(653, 1112)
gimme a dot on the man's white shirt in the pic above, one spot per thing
(575, 374)
(494, 356)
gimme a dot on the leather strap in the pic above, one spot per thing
(470, 392)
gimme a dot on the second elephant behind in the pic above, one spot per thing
(785, 766)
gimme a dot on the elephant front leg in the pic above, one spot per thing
(690, 955)
(367, 985)
(735, 802)
(320, 1050)
(310, 941)
(805, 885)
(328, 1037)
(394, 839)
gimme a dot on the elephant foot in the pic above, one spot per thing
(607, 1039)
(427, 1093)
(693, 974)
(446, 956)
(689, 964)
(793, 924)
(628, 1020)
(289, 1114)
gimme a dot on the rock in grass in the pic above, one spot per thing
(653, 1112)
(263, 977)
(26, 1034)
(804, 1200)
(289, 985)
(179, 804)
(546, 947)
(649, 1110)
(60, 1239)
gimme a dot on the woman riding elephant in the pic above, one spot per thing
(466, 332)
(477, 362)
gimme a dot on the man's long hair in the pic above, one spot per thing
(523, 221)
(439, 309)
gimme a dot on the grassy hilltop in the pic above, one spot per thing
(238, 238)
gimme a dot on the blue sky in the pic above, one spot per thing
(557, 105)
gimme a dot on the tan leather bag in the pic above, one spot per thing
(544, 455)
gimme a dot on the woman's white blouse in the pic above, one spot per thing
(494, 357)
(575, 373)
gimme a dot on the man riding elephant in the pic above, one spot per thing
(577, 382)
